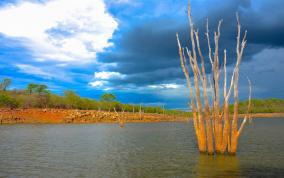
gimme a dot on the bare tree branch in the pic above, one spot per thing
(248, 110)
(225, 74)
(208, 42)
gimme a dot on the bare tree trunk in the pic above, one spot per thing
(216, 126)
(209, 133)
(239, 49)
(187, 76)
(196, 72)
(227, 122)
(216, 103)
(140, 111)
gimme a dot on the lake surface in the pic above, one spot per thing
(138, 150)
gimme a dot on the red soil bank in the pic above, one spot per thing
(56, 116)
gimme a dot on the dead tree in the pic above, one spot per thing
(216, 130)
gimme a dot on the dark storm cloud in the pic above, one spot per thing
(148, 46)
(263, 20)
(148, 52)
(167, 75)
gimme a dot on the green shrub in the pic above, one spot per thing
(7, 101)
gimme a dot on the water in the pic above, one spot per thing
(138, 150)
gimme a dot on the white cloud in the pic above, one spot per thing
(97, 83)
(101, 79)
(46, 73)
(168, 90)
(28, 69)
(108, 75)
(121, 1)
(60, 30)
(180, 92)
(165, 86)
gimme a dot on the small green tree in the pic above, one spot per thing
(31, 88)
(41, 89)
(8, 101)
(72, 99)
(108, 97)
(6, 82)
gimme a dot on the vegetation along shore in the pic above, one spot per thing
(36, 104)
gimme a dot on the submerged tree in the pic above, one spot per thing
(216, 130)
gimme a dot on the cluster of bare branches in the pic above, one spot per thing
(216, 130)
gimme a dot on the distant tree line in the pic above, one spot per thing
(38, 96)
(270, 105)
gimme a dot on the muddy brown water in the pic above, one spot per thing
(137, 150)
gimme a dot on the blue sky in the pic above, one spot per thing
(128, 47)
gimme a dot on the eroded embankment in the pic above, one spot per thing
(57, 116)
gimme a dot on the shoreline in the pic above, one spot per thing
(66, 116)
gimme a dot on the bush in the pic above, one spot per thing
(7, 101)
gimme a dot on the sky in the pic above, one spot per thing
(129, 48)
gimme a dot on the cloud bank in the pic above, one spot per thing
(68, 31)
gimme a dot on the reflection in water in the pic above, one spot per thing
(217, 166)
